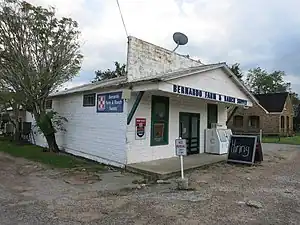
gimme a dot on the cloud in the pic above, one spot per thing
(251, 32)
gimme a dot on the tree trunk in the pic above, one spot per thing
(46, 126)
(51, 140)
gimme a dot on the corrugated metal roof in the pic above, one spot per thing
(92, 86)
(185, 72)
(180, 72)
(123, 80)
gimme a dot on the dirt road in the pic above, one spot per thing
(32, 194)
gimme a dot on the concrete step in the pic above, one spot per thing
(169, 168)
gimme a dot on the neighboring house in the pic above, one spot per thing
(136, 118)
(296, 110)
(296, 124)
(274, 115)
(11, 113)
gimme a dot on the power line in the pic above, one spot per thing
(122, 18)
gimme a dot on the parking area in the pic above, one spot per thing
(220, 194)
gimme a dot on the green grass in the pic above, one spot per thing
(295, 140)
(35, 153)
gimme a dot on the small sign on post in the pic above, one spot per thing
(180, 148)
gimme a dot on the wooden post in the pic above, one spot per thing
(260, 135)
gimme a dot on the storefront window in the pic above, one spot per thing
(159, 120)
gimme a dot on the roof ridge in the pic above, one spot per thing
(92, 85)
(274, 93)
(178, 71)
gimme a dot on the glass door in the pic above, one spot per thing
(189, 129)
(195, 133)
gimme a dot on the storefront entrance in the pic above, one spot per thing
(189, 129)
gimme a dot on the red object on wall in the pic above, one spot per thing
(140, 122)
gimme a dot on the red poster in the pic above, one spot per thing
(140, 122)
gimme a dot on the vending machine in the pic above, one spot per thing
(217, 140)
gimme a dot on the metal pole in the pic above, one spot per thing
(181, 164)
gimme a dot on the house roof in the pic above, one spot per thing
(165, 76)
(123, 80)
(272, 102)
(92, 86)
(182, 72)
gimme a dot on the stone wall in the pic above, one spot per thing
(269, 123)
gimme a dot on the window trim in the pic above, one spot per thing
(86, 96)
(47, 102)
(234, 121)
(257, 122)
(166, 101)
(282, 122)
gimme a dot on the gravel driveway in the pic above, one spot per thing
(220, 194)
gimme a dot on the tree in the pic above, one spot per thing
(261, 82)
(109, 74)
(10, 100)
(295, 98)
(235, 68)
(38, 53)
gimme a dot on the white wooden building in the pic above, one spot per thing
(137, 118)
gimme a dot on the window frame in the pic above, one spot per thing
(234, 121)
(257, 122)
(47, 105)
(85, 97)
(282, 122)
(160, 99)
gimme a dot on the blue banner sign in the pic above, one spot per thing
(110, 103)
(207, 95)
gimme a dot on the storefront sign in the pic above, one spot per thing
(207, 95)
(180, 147)
(110, 103)
(140, 124)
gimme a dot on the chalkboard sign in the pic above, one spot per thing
(242, 149)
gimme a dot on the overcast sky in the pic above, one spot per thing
(250, 32)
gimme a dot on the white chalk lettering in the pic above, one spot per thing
(243, 150)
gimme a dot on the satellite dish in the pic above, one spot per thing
(179, 39)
